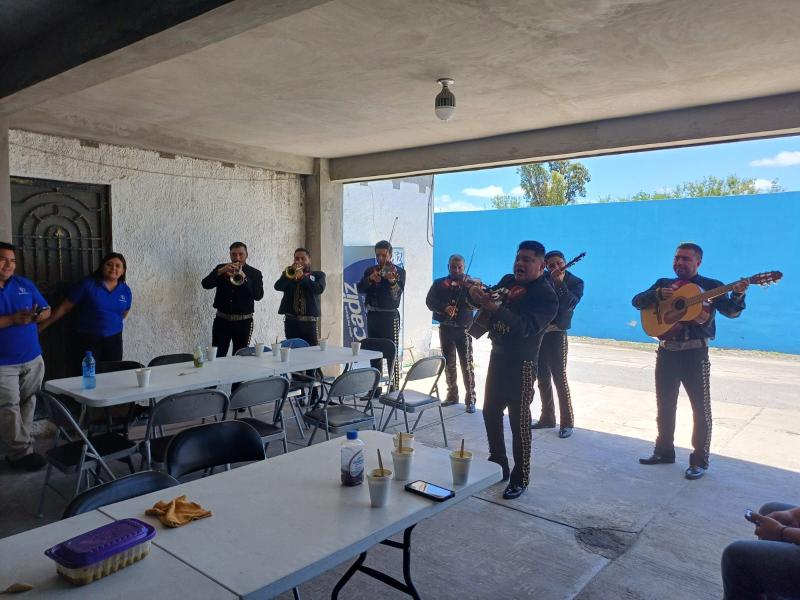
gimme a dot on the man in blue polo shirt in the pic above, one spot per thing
(21, 364)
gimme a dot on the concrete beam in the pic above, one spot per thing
(150, 137)
(5, 185)
(745, 119)
(324, 217)
(125, 37)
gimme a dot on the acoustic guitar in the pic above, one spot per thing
(480, 325)
(689, 305)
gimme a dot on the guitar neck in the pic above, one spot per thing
(710, 294)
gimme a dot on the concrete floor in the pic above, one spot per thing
(594, 524)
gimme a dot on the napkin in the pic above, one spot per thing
(178, 511)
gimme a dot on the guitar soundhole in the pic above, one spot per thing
(679, 304)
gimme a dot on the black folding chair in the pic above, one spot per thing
(257, 393)
(124, 488)
(170, 359)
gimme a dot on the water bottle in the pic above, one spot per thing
(89, 381)
(198, 357)
(352, 460)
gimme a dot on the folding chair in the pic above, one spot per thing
(79, 454)
(124, 488)
(341, 418)
(410, 401)
(170, 359)
(116, 417)
(174, 409)
(259, 392)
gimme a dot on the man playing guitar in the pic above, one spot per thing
(682, 357)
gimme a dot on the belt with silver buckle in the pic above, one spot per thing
(301, 318)
(673, 345)
(227, 317)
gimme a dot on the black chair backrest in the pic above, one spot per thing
(112, 366)
(60, 416)
(259, 391)
(424, 368)
(212, 445)
(355, 382)
(187, 406)
(170, 359)
(385, 347)
(138, 484)
(248, 351)
(294, 343)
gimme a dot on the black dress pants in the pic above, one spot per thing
(553, 366)
(509, 383)
(305, 330)
(386, 325)
(223, 332)
(455, 341)
(692, 369)
(104, 348)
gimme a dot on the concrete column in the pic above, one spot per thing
(324, 216)
(5, 185)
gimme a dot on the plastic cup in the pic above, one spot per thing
(460, 466)
(379, 481)
(285, 354)
(323, 345)
(259, 348)
(408, 439)
(276, 351)
(211, 353)
(143, 377)
(355, 347)
(402, 460)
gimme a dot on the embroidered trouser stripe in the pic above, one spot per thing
(510, 384)
(691, 368)
(456, 342)
(553, 366)
(386, 325)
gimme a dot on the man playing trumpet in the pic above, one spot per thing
(300, 304)
(238, 286)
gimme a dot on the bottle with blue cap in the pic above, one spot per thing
(352, 460)
(89, 365)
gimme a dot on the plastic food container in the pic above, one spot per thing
(100, 552)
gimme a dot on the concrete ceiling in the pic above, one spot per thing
(358, 77)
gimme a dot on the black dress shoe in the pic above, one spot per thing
(695, 472)
(513, 490)
(470, 408)
(29, 462)
(565, 432)
(543, 425)
(657, 459)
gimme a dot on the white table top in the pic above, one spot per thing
(158, 575)
(122, 387)
(280, 522)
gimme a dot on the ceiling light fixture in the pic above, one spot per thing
(445, 104)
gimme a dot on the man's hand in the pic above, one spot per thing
(740, 286)
(768, 528)
(227, 270)
(557, 275)
(375, 276)
(665, 293)
(785, 517)
(451, 310)
(25, 316)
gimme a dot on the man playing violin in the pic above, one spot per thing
(300, 305)
(449, 301)
(682, 358)
(238, 286)
(517, 324)
(382, 286)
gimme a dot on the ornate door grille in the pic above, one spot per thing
(61, 231)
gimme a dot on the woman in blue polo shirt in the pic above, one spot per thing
(103, 300)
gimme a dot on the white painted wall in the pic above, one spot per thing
(174, 219)
(369, 212)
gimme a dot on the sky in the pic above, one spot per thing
(624, 175)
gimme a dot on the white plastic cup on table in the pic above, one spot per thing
(408, 439)
(211, 353)
(259, 348)
(323, 345)
(402, 460)
(379, 481)
(143, 377)
(276, 351)
(355, 347)
(285, 354)
(460, 463)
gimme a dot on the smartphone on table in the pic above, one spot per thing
(429, 490)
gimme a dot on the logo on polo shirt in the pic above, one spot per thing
(22, 291)
(122, 298)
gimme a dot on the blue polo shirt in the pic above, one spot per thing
(19, 343)
(100, 311)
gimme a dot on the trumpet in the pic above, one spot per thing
(238, 278)
(293, 272)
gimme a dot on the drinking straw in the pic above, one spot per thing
(380, 461)
(462, 447)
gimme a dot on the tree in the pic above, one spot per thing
(560, 183)
(732, 185)
(505, 201)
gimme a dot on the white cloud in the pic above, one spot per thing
(445, 203)
(762, 185)
(517, 191)
(490, 191)
(781, 159)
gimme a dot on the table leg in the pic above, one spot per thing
(407, 587)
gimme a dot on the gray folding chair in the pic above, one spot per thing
(176, 409)
(170, 359)
(341, 418)
(79, 454)
(410, 401)
(257, 393)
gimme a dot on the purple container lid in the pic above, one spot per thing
(98, 544)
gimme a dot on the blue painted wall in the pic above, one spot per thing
(631, 244)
